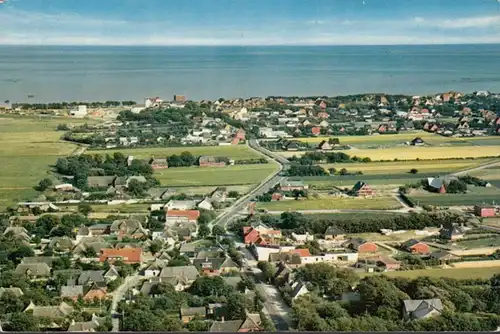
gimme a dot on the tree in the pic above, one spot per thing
(203, 230)
(218, 231)
(456, 186)
(343, 171)
(137, 188)
(44, 184)
(84, 208)
(413, 171)
(268, 270)
(23, 322)
(206, 217)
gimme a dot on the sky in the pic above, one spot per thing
(249, 22)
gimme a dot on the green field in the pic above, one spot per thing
(29, 146)
(215, 176)
(475, 195)
(434, 166)
(479, 243)
(376, 203)
(457, 273)
(239, 152)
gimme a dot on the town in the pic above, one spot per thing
(349, 213)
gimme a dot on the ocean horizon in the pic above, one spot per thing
(96, 73)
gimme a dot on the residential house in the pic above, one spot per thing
(182, 216)
(154, 268)
(388, 263)
(180, 205)
(91, 276)
(422, 309)
(485, 211)
(52, 313)
(215, 266)
(157, 163)
(33, 270)
(14, 291)
(89, 291)
(315, 130)
(128, 228)
(252, 323)
(362, 189)
(190, 313)
(180, 277)
(261, 235)
(188, 249)
(209, 161)
(299, 288)
(87, 326)
(219, 195)
(325, 146)
(452, 232)
(287, 185)
(127, 255)
(362, 246)
(206, 204)
(443, 256)
(334, 233)
(302, 238)
(416, 247)
(61, 244)
(417, 142)
(17, 232)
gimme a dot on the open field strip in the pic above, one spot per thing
(241, 189)
(457, 273)
(215, 176)
(29, 147)
(236, 152)
(439, 166)
(413, 153)
(480, 243)
(380, 139)
(475, 195)
(376, 203)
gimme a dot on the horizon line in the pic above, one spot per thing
(242, 45)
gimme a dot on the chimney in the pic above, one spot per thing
(206, 259)
(222, 319)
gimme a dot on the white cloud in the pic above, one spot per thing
(461, 22)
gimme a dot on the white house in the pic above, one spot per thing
(81, 112)
(180, 205)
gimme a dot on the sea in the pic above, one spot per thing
(98, 73)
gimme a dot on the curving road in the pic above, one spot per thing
(240, 206)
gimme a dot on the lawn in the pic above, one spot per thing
(457, 273)
(434, 166)
(377, 203)
(479, 243)
(240, 152)
(413, 153)
(214, 176)
(29, 146)
(476, 195)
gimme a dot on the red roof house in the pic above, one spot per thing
(316, 130)
(416, 247)
(323, 115)
(190, 215)
(127, 255)
(303, 252)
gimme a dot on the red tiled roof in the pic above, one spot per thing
(252, 236)
(303, 252)
(128, 255)
(189, 214)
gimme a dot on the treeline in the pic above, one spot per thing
(161, 116)
(310, 158)
(317, 224)
(468, 305)
(83, 166)
(68, 105)
(305, 170)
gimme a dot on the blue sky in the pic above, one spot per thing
(249, 22)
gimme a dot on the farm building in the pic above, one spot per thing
(416, 247)
(158, 163)
(417, 142)
(362, 246)
(452, 232)
(286, 185)
(388, 263)
(325, 146)
(362, 189)
(484, 211)
(209, 161)
(439, 184)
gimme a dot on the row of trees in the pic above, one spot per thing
(310, 158)
(68, 105)
(469, 305)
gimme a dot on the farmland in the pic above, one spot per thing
(475, 195)
(214, 176)
(424, 153)
(240, 152)
(457, 273)
(29, 147)
(434, 166)
(479, 243)
(331, 203)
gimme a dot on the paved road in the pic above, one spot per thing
(240, 205)
(464, 172)
(274, 306)
(118, 295)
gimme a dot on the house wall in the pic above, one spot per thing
(484, 212)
